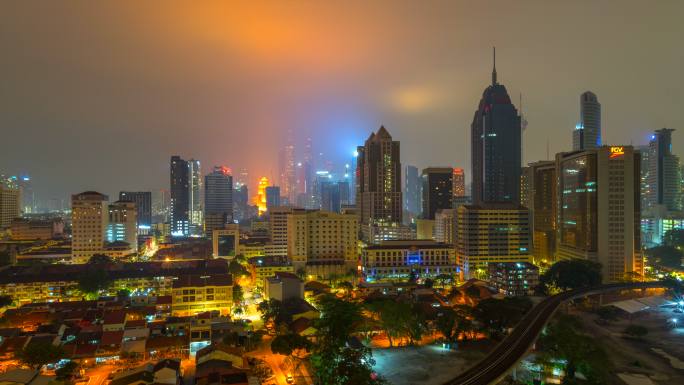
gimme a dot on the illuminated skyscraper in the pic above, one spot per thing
(272, 197)
(260, 200)
(664, 179)
(180, 197)
(218, 199)
(459, 182)
(123, 224)
(496, 137)
(378, 199)
(10, 201)
(288, 178)
(28, 198)
(195, 196)
(412, 191)
(587, 133)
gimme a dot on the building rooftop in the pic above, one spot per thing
(203, 280)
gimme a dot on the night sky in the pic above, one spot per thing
(98, 95)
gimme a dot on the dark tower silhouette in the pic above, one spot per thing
(496, 140)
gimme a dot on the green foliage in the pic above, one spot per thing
(238, 294)
(636, 331)
(100, 259)
(564, 340)
(398, 319)
(123, 293)
(301, 273)
(38, 354)
(5, 300)
(665, 256)
(497, 315)
(572, 274)
(66, 371)
(674, 238)
(288, 343)
(446, 323)
(237, 269)
(333, 362)
(92, 281)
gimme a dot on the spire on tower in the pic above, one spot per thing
(494, 69)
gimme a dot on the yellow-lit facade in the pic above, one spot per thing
(261, 195)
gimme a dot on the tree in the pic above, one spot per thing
(301, 273)
(443, 279)
(236, 269)
(100, 259)
(333, 362)
(564, 340)
(66, 371)
(288, 343)
(123, 293)
(497, 315)
(238, 294)
(5, 300)
(665, 256)
(674, 238)
(446, 324)
(572, 274)
(38, 354)
(92, 281)
(636, 331)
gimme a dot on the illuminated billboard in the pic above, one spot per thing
(617, 151)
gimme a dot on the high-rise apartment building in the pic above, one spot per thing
(599, 209)
(143, 205)
(495, 147)
(587, 133)
(412, 191)
(10, 201)
(272, 197)
(437, 190)
(321, 242)
(180, 197)
(122, 225)
(89, 218)
(218, 199)
(331, 196)
(664, 177)
(379, 183)
(288, 179)
(494, 232)
(195, 196)
(445, 226)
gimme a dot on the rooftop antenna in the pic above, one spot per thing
(494, 69)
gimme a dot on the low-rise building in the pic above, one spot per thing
(264, 267)
(514, 278)
(34, 229)
(283, 286)
(194, 294)
(392, 260)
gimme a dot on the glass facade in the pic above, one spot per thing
(578, 220)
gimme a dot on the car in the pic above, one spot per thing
(289, 379)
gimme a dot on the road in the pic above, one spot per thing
(514, 347)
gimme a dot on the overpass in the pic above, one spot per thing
(508, 352)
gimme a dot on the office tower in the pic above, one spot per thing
(288, 178)
(587, 133)
(345, 192)
(496, 138)
(599, 209)
(180, 197)
(645, 152)
(260, 199)
(493, 232)
(272, 197)
(241, 202)
(445, 226)
(412, 191)
(664, 178)
(459, 182)
(243, 177)
(143, 205)
(352, 178)
(28, 197)
(379, 189)
(161, 206)
(123, 224)
(10, 201)
(195, 196)
(541, 200)
(308, 168)
(89, 217)
(330, 196)
(218, 199)
(437, 190)
(322, 243)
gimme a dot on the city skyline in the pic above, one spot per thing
(426, 99)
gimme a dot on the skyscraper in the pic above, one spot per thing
(664, 179)
(412, 191)
(195, 196)
(10, 201)
(218, 199)
(288, 179)
(330, 196)
(437, 190)
(587, 133)
(180, 197)
(379, 199)
(599, 209)
(89, 218)
(260, 199)
(272, 197)
(143, 205)
(459, 182)
(123, 224)
(495, 140)
(541, 201)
